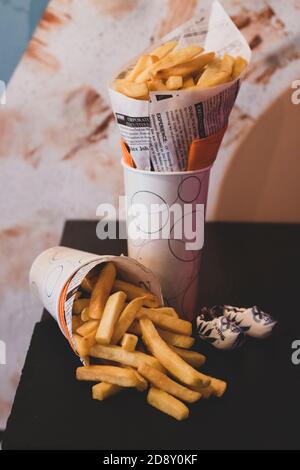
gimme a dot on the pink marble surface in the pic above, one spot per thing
(59, 151)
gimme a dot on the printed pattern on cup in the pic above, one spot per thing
(175, 260)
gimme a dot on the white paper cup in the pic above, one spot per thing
(176, 267)
(57, 273)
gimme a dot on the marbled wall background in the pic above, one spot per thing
(59, 153)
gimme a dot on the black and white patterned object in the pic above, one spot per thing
(252, 320)
(219, 332)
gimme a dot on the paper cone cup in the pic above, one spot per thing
(57, 273)
(159, 246)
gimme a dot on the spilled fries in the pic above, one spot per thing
(137, 343)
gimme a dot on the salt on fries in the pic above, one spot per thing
(127, 339)
(171, 68)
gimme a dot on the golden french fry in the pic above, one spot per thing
(76, 322)
(170, 311)
(132, 291)
(163, 382)
(189, 68)
(159, 53)
(84, 343)
(216, 73)
(239, 65)
(174, 82)
(87, 284)
(193, 358)
(142, 383)
(129, 342)
(135, 328)
(111, 374)
(80, 345)
(156, 85)
(178, 57)
(120, 355)
(78, 294)
(126, 318)
(132, 89)
(87, 327)
(112, 311)
(105, 390)
(79, 305)
(164, 49)
(188, 83)
(169, 359)
(227, 63)
(101, 290)
(167, 404)
(85, 316)
(176, 325)
(174, 339)
(218, 386)
(143, 62)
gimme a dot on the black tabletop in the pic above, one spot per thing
(243, 264)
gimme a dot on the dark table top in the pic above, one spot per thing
(243, 264)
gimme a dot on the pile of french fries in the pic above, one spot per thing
(168, 68)
(127, 340)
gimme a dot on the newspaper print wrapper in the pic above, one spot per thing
(57, 273)
(159, 132)
(168, 237)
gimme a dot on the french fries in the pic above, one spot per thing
(76, 322)
(180, 56)
(139, 343)
(132, 291)
(144, 61)
(85, 316)
(189, 68)
(138, 91)
(111, 374)
(112, 311)
(174, 82)
(166, 322)
(163, 382)
(164, 402)
(163, 50)
(174, 339)
(193, 358)
(239, 66)
(129, 342)
(120, 355)
(127, 317)
(170, 359)
(170, 311)
(101, 290)
(79, 305)
(84, 343)
(104, 390)
(88, 327)
(171, 68)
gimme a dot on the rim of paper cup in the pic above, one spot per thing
(166, 173)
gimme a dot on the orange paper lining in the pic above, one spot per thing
(203, 152)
